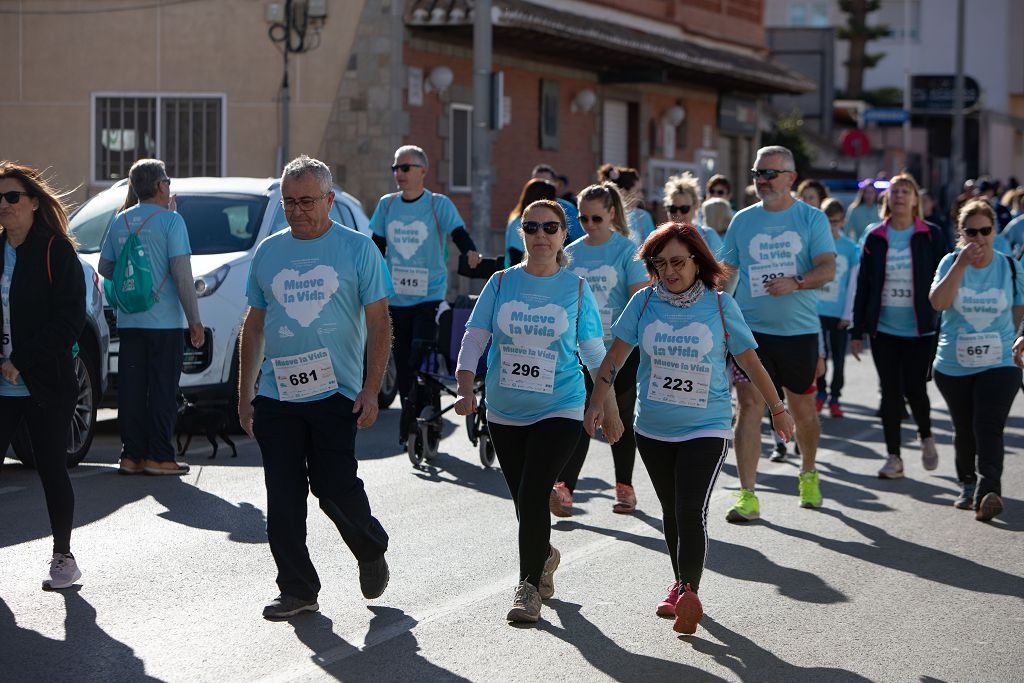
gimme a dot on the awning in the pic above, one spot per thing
(615, 52)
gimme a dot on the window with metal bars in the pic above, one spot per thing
(185, 131)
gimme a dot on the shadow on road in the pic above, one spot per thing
(87, 652)
(447, 469)
(833, 489)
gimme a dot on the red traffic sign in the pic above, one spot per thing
(855, 143)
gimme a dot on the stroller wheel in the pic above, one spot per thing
(414, 447)
(429, 432)
(486, 451)
(472, 431)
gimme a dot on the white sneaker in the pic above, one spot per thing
(929, 454)
(64, 572)
(893, 468)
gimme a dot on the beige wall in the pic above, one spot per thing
(55, 61)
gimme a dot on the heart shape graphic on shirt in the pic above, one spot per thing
(406, 238)
(781, 248)
(979, 309)
(693, 342)
(601, 280)
(842, 265)
(305, 295)
(532, 327)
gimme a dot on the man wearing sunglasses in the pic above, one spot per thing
(410, 227)
(783, 251)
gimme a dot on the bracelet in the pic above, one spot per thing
(775, 405)
(779, 413)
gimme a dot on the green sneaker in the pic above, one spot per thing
(745, 509)
(810, 490)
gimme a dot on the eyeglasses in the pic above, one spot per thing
(677, 262)
(14, 196)
(304, 203)
(682, 208)
(596, 219)
(165, 180)
(550, 227)
(768, 174)
(718, 192)
(404, 168)
(974, 232)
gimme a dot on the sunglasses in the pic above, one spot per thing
(768, 174)
(14, 196)
(550, 227)
(677, 262)
(673, 208)
(974, 232)
(404, 168)
(587, 219)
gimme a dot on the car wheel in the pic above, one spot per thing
(389, 386)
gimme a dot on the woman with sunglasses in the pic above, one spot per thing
(534, 190)
(42, 288)
(628, 181)
(605, 258)
(682, 200)
(981, 294)
(897, 262)
(538, 316)
(684, 327)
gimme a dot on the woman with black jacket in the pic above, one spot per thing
(42, 288)
(897, 262)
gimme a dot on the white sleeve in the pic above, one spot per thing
(851, 293)
(473, 344)
(592, 353)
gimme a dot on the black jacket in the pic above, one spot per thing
(927, 247)
(47, 313)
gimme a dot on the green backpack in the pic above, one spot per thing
(131, 289)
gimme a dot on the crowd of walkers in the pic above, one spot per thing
(604, 320)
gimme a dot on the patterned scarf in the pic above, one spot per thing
(683, 299)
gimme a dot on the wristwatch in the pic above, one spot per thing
(799, 281)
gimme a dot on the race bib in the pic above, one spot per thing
(762, 273)
(685, 385)
(410, 281)
(898, 292)
(528, 369)
(979, 350)
(606, 322)
(304, 375)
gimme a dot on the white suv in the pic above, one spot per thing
(226, 219)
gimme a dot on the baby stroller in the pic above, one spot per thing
(436, 377)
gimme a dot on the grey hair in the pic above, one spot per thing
(303, 166)
(778, 151)
(413, 149)
(684, 183)
(144, 175)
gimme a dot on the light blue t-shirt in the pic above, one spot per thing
(1014, 234)
(832, 295)
(682, 386)
(1001, 244)
(10, 258)
(572, 220)
(764, 245)
(977, 331)
(164, 236)
(532, 367)
(713, 241)
(897, 315)
(859, 219)
(314, 292)
(513, 240)
(610, 270)
(417, 236)
(641, 225)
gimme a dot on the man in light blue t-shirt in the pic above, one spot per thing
(411, 228)
(152, 342)
(317, 297)
(783, 252)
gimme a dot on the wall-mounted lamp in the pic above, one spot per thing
(584, 101)
(439, 79)
(674, 116)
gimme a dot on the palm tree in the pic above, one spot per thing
(859, 34)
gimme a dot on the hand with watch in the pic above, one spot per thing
(782, 421)
(781, 286)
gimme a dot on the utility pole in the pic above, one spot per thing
(480, 201)
(959, 168)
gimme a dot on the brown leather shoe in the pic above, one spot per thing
(164, 467)
(988, 507)
(129, 466)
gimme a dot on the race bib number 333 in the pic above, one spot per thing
(528, 369)
(304, 375)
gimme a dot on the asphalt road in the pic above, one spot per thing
(886, 582)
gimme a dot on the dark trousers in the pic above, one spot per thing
(903, 365)
(531, 458)
(978, 406)
(835, 349)
(48, 431)
(414, 331)
(623, 450)
(148, 370)
(684, 474)
(311, 447)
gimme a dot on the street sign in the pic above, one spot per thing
(886, 115)
(935, 93)
(854, 143)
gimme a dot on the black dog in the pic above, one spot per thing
(195, 420)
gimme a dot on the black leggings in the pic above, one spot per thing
(48, 431)
(835, 348)
(531, 457)
(903, 364)
(623, 450)
(414, 333)
(978, 406)
(683, 474)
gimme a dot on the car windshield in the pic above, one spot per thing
(217, 223)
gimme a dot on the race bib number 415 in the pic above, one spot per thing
(410, 281)
(528, 369)
(304, 375)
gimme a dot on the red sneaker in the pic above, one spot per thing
(667, 607)
(819, 403)
(689, 612)
(834, 410)
(560, 500)
(625, 499)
